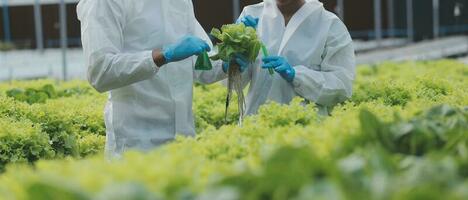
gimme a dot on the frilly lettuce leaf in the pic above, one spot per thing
(236, 39)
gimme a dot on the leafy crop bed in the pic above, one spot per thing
(403, 135)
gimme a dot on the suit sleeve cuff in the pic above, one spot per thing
(150, 62)
(297, 81)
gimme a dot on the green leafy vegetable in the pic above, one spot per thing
(440, 128)
(42, 94)
(236, 40)
(388, 143)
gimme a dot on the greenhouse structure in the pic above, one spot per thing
(37, 23)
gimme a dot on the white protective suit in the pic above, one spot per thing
(147, 105)
(316, 43)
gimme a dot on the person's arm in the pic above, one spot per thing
(333, 83)
(102, 24)
(158, 57)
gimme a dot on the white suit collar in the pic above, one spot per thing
(272, 12)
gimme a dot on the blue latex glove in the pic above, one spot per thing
(249, 21)
(240, 60)
(184, 48)
(281, 66)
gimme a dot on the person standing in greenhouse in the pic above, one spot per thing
(142, 53)
(310, 50)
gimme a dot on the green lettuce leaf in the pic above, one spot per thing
(236, 39)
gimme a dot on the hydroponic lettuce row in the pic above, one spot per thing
(403, 135)
(40, 95)
(68, 117)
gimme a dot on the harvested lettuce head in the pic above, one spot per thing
(236, 39)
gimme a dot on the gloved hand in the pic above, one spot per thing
(240, 60)
(184, 48)
(281, 66)
(249, 21)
